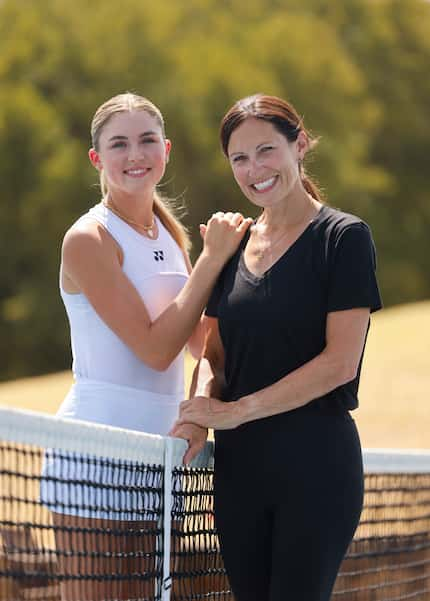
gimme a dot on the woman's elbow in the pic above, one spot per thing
(339, 369)
(157, 362)
(160, 365)
(346, 372)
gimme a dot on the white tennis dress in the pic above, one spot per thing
(112, 385)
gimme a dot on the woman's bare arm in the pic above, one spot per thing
(196, 341)
(337, 364)
(91, 263)
(208, 376)
(207, 379)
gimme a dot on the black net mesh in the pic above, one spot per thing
(389, 559)
(196, 564)
(76, 527)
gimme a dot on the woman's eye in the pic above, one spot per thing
(238, 159)
(149, 141)
(118, 145)
(266, 148)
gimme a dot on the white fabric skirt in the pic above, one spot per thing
(91, 487)
(121, 406)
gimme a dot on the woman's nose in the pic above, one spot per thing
(254, 166)
(135, 152)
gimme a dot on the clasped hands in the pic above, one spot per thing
(197, 415)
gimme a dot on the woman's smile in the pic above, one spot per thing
(265, 185)
(134, 172)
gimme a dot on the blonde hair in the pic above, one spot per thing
(162, 206)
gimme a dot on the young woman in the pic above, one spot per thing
(287, 324)
(133, 303)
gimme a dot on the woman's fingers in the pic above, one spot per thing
(193, 434)
(244, 224)
(236, 219)
(194, 448)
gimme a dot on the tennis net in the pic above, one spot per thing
(90, 512)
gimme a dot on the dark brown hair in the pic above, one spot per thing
(284, 118)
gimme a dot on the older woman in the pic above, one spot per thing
(287, 324)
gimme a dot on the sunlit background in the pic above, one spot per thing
(357, 70)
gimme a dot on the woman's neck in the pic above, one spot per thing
(137, 208)
(293, 212)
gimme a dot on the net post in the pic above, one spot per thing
(167, 519)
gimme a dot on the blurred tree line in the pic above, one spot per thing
(357, 70)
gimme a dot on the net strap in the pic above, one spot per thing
(167, 518)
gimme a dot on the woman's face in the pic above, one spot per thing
(132, 152)
(264, 163)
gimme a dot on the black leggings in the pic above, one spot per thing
(288, 498)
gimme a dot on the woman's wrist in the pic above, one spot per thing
(247, 407)
(211, 260)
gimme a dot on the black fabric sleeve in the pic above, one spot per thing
(352, 278)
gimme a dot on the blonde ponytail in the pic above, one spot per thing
(103, 185)
(165, 212)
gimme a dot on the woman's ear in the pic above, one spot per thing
(168, 145)
(302, 145)
(95, 159)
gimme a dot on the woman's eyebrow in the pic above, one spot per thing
(243, 152)
(145, 133)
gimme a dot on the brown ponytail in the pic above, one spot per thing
(310, 186)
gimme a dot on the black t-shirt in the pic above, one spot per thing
(272, 324)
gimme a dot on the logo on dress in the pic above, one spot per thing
(158, 255)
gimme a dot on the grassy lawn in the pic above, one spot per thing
(395, 384)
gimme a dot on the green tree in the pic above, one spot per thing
(356, 70)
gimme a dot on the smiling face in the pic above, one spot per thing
(264, 162)
(132, 152)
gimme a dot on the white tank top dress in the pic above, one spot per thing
(111, 385)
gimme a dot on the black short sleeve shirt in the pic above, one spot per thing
(272, 324)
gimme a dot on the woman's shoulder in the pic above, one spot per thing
(87, 234)
(334, 222)
(95, 215)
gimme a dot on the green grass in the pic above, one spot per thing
(395, 383)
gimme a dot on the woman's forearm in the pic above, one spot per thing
(336, 365)
(170, 331)
(206, 381)
(316, 378)
(92, 265)
(311, 381)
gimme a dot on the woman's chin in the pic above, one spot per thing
(263, 202)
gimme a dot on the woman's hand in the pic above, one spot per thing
(194, 435)
(223, 233)
(210, 413)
